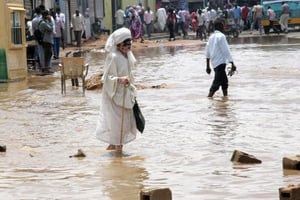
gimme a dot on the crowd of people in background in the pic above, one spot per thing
(50, 25)
(142, 22)
(180, 21)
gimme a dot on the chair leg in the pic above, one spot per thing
(62, 85)
(65, 86)
(83, 86)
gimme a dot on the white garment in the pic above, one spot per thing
(53, 22)
(62, 17)
(120, 16)
(271, 14)
(77, 22)
(117, 37)
(110, 123)
(201, 19)
(110, 119)
(116, 65)
(161, 18)
(217, 49)
(148, 17)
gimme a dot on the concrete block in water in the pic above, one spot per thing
(292, 192)
(158, 194)
(291, 162)
(2, 148)
(241, 157)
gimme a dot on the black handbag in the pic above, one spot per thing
(139, 118)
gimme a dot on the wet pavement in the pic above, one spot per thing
(188, 139)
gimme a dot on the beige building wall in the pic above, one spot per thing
(15, 49)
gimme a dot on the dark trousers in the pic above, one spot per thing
(171, 31)
(220, 79)
(149, 29)
(56, 47)
(271, 25)
(78, 37)
(75, 82)
(201, 32)
(181, 24)
(47, 47)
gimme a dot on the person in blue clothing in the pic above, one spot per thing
(237, 14)
(218, 54)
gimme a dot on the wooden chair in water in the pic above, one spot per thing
(73, 68)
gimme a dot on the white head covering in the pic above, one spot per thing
(117, 37)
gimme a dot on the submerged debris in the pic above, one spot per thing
(2, 148)
(94, 82)
(79, 154)
(163, 85)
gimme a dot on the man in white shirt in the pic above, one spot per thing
(62, 17)
(201, 31)
(148, 18)
(284, 18)
(78, 26)
(258, 12)
(271, 16)
(218, 53)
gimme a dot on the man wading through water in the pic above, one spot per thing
(217, 52)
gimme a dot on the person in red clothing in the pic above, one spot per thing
(245, 16)
(194, 21)
(171, 21)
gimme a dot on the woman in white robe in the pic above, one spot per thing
(161, 19)
(116, 124)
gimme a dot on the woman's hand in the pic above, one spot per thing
(123, 80)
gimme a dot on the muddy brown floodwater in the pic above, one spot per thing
(188, 140)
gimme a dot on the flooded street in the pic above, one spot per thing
(188, 140)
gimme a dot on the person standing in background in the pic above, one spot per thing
(120, 18)
(148, 17)
(136, 26)
(201, 31)
(181, 14)
(62, 18)
(171, 21)
(237, 13)
(245, 16)
(271, 16)
(284, 18)
(258, 13)
(59, 27)
(38, 51)
(46, 27)
(161, 19)
(141, 10)
(77, 26)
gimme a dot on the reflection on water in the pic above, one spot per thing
(272, 39)
(188, 140)
(123, 177)
(222, 121)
